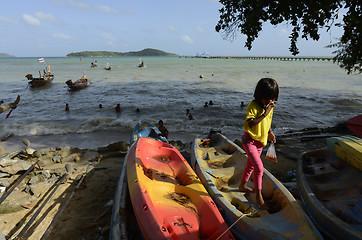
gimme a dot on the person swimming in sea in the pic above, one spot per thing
(162, 129)
(118, 108)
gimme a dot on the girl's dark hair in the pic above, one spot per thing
(266, 88)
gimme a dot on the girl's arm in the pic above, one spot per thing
(271, 136)
(257, 120)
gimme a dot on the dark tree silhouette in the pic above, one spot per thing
(305, 16)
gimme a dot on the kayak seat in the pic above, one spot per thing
(164, 165)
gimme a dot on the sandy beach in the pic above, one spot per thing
(99, 158)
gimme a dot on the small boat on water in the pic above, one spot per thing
(42, 80)
(219, 163)
(141, 64)
(94, 63)
(331, 190)
(108, 67)
(146, 129)
(169, 200)
(80, 83)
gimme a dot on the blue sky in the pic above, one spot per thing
(57, 27)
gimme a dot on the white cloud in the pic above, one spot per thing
(86, 6)
(106, 9)
(8, 20)
(45, 16)
(172, 29)
(201, 30)
(187, 39)
(31, 20)
(61, 36)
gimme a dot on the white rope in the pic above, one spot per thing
(242, 215)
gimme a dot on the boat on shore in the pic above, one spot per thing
(168, 199)
(78, 84)
(330, 189)
(348, 148)
(42, 80)
(119, 229)
(219, 163)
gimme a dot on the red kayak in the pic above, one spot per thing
(168, 199)
(355, 125)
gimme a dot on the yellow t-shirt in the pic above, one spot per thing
(260, 131)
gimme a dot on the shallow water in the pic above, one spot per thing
(312, 94)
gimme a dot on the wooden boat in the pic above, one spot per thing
(219, 163)
(348, 148)
(168, 199)
(80, 83)
(146, 129)
(43, 80)
(330, 189)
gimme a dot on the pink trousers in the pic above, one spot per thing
(253, 150)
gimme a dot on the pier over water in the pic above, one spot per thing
(270, 58)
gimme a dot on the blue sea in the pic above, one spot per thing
(312, 94)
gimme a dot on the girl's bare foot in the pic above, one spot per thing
(260, 200)
(245, 189)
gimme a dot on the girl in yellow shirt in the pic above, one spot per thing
(257, 127)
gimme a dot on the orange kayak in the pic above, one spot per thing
(168, 199)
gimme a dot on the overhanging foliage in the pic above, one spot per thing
(305, 16)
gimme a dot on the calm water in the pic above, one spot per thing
(312, 94)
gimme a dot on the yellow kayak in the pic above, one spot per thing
(348, 148)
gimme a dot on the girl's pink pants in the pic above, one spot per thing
(253, 150)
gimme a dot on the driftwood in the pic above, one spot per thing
(6, 107)
(31, 220)
(55, 219)
(10, 190)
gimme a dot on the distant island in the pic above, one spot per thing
(142, 53)
(5, 55)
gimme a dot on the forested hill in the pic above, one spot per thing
(142, 53)
(5, 55)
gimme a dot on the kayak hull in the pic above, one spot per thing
(219, 163)
(330, 189)
(168, 199)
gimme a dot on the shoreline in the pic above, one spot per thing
(90, 140)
